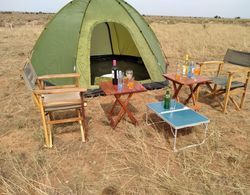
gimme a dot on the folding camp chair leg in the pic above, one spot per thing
(81, 122)
(245, 91)
(49, 131)
(224, 110)
(82, 131)
(243, 99)
(217, 99)
(36, 100)
(235, 103)
(211, 90)
(227, 95)
(45, 127)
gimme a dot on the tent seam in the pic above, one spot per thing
(118, 1)
(110, 39)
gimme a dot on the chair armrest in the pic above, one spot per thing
(210, 62)
(219, 63)
(58, 76)
(59, 91)
(230, 72)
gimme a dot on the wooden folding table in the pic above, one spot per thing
(110, 89)
(192, 83)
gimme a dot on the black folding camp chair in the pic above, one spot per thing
(228, 85)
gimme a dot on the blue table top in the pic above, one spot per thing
(157, 107)
(182, 116)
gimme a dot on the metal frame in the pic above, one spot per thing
(174, 130)
(191, 145)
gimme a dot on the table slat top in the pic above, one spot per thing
(110, 89)
(181, 117)
(185, 80)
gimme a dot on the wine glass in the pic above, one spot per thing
(178, 71)
(129, 75)
(197, 71)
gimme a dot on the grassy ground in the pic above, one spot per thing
(127, 160)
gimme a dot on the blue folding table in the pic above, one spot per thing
(179, 118)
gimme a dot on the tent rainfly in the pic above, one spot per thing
(86, 35)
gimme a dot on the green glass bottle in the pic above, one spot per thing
(167, 98)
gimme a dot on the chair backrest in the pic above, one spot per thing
(237, 57)
(29, 76)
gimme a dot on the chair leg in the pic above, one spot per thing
(245, 91)
(82, 125)
(235, 103)
(228, 88)
(225, 102)
(211, 90)
(220, 103)
(50, 126)
(45, 128)
(243, 99)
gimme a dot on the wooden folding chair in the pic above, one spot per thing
(229, 85)
(51, 99)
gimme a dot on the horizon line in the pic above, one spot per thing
(154, 15)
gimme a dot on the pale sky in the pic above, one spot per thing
(200, 8)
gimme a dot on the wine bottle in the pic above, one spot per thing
(114, 71)
(167, 99)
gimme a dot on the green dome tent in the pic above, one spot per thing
(86, 35)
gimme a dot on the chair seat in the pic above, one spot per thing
(222, 81)
(57, 108)
(61, 101)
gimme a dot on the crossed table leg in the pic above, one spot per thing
(192, 92)
(123, 110)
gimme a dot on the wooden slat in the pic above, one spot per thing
(59, 91)
(235, 103)
(110, 89)
(61, 87)
(58, 76)
(210, 62)
(62, 103)
(70, 120)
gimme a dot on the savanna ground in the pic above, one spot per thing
(127, 160)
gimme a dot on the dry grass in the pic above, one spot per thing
(202, 43)
(127, 160)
